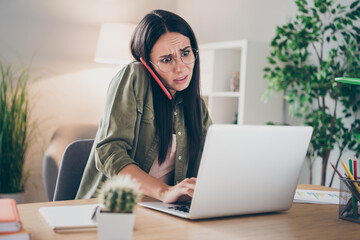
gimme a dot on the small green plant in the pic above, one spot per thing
(120, 194)
(14, 129)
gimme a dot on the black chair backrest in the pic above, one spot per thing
(72, 168)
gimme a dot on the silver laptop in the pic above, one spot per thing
(245, 170)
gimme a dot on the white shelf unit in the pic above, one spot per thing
(218, 62)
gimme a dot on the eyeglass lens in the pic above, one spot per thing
(188, 56)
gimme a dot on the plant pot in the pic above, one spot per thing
(117, 226)
(18, 197)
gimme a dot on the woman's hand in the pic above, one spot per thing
(154, 188)
(181, 192)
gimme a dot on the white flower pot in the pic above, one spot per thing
(117, 226)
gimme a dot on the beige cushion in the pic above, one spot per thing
(61, 138)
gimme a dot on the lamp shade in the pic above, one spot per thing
(113, 45)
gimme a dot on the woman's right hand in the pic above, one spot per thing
(154, 188)
(181, 192)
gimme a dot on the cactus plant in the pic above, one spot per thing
(120, 194)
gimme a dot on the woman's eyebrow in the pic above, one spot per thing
(185, 48)
(164, 56)
(180, 50)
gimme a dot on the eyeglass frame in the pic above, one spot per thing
(173, 60)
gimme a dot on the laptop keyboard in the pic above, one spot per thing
(181, 208)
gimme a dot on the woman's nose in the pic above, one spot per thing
(178, 65)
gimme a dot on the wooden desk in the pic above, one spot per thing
(302, 221)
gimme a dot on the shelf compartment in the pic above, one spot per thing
(223, 109)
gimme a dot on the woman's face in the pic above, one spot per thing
(170, 47)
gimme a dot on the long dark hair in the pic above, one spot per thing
(148, 31)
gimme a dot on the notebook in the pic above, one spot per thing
(9, 216)
(69, 218)
(22, 234)
(245, 170)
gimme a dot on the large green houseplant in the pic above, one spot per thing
(14, 129)
(308, 52)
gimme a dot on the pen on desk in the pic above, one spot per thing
(94, 213)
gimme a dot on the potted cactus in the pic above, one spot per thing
(118, 197)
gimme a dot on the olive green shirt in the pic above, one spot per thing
(126, 134)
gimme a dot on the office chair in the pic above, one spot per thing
(72, 168)
(61, 138)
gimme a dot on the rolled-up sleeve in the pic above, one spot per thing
(115, 137)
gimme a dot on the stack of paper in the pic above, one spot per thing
(318, 197)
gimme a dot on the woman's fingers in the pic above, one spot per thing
(187, 186)
(185, 190)
(182, 190)
(184, 198)
(188, 181)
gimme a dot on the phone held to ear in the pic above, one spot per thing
(156, 79)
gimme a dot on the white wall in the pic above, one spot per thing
(59, 38)
(226, 20)
(256, 21)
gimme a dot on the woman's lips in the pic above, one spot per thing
(181, 79)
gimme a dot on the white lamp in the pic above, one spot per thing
(113, 45)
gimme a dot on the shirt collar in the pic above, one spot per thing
(178, 99)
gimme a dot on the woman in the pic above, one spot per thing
(143, 133)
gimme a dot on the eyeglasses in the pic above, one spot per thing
(188, 56)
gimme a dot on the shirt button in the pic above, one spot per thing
(179, 133)
(175, 113)
(179, 157)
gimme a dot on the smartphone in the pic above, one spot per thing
(156, 79)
